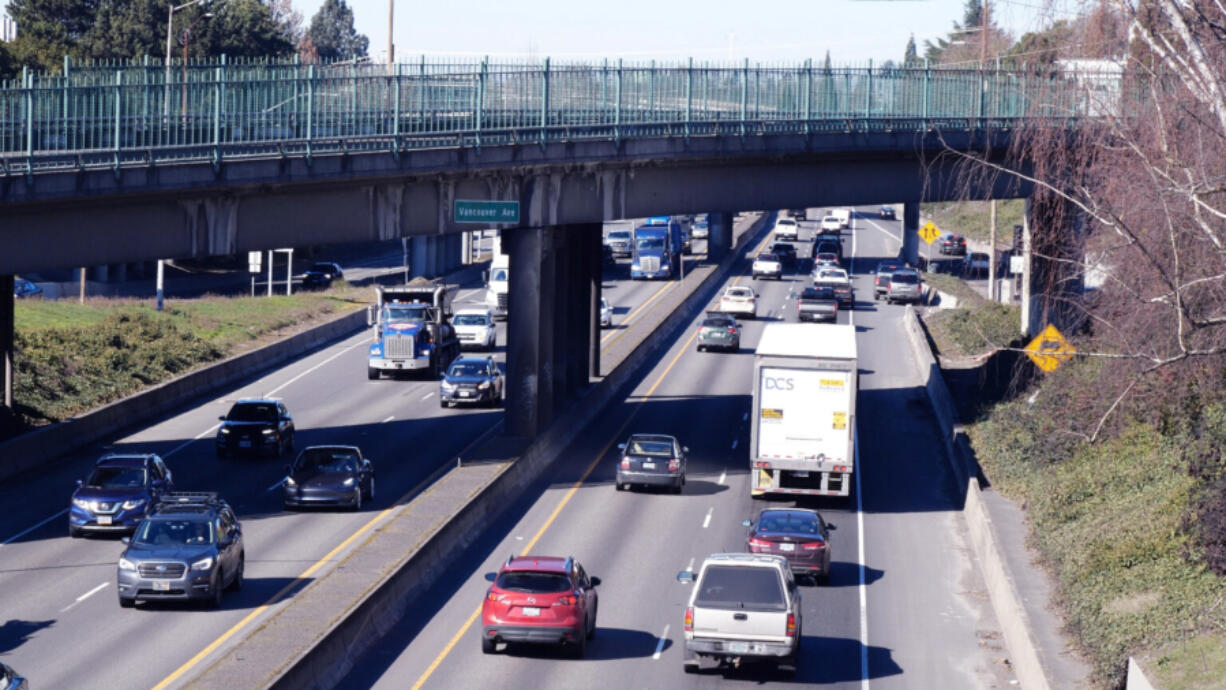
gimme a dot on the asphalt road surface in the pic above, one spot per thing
(905, 607)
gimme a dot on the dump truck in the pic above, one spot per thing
(412, 329)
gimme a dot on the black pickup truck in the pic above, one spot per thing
(818, 303)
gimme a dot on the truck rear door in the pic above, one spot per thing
(803, 415)
(736, 602)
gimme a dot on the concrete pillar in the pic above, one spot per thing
(595, 278)
(420, 256)
(564, 261)
(530, 357)
(1053, 238)
(719, 235)
(466, 252)
(910, 235)
(585, 261)
(6, 345)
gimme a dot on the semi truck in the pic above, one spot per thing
(498, 282)
(803, 431)
(413, 330)
(656, 250)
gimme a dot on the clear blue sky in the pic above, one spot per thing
(783, 30)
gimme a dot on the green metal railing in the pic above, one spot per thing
(143, 113)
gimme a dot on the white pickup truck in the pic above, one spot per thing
(744, 607)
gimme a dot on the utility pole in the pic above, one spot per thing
(983, 37)
(992, 254)
(391, 25)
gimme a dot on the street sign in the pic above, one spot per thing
(486, 212)
(254, 261)
(1049, 350)
(1017, 264)
(929, 232)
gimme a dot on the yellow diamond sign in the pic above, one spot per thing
(1049, 349)
(929, 232)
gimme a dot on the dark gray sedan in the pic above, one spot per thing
(719, 331)
(329, 476)
(652, 460)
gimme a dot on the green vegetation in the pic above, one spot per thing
(1190, 664)
(73, 357)
(976, 326)
(971, 219)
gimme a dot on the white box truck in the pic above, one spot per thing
(498, 281)
(802, 439)
(844, 216)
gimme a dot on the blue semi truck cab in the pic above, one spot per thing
(413, 331)
(656, 250)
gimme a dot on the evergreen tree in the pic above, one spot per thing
(909, 56)
(333, 34)
(241, 28)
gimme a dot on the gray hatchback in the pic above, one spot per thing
(652, 460)
(719, 331)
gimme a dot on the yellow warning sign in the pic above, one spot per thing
(1049, 349)
(840, 420)
(929, 232)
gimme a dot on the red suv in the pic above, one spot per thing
(540, 600)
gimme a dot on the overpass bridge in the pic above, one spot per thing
(138, 162)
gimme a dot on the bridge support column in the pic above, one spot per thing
(1053, 280)
(584, 261)
(7, 417)
(595, 279)
(532, 299)
(910, 235)
(719, 235)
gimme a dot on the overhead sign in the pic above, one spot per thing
(1049, 350)
(486, 212)
(929, 232)
(254, 261)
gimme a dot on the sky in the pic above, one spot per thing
(854, 31)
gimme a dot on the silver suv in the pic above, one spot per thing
(905, 286)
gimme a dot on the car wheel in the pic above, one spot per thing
(290, 443)
(690, 662)
(372, 373)
(591, 632)
(74, 532)
(214, 600)
(444, 404)
(237, 583)
(488, 646)
(357, 499)
(126, 603)
(700, 348)
(787, 665)
(619, 486)
(580, 647)
(370, 489)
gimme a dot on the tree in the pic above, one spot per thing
(241, 28)
(287, 19)
(129, 28)
(49, 30)
(909, 56)
(333, 34)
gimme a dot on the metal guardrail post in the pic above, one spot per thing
(481, 100)
(421, 95)
(64, 103)
(118, 120)
(808, 93)
(651, 91)
(689, 97)
(744, 93)
(983, 97)
(927, 84)
(27, 87)
(219, 75)
(396, 110)
(310, 112)
(617, 111)
(868, 95)
(544, 102)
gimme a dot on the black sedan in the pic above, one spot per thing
(328, 476)
(321, 274)
(953, 245)
(476, 380)
(256, 426)
(886, 213)
(799, 535)
(785, 251)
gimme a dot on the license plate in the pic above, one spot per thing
(531, 611)
(787, 547)
(800, 474)
(466, 394)
(738, 647)
(649, 465)
(244, 444)
(161, 586)
(104, 519)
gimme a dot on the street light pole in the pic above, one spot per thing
(170, 22)
(391, 47)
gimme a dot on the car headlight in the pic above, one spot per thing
(289, 481)
(376, 352)
(125, 564)
(634, 265)
(133, 504)
(448, 387)
(81, 503)
(224, 430)
(269, 432)
(203, 564)
(348, 482)
(483, 385)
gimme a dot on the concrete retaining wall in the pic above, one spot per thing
(326, 663)
(1007, 602)
(1136, 677)
(40, 446)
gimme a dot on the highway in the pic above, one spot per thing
(62, 626)
(905, 607)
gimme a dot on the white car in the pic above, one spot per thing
(700, 230)
(475, 328)
(786, 229)
(767, 265)
(838, 280)
(606, 313)
(739, 300)
(831, 224)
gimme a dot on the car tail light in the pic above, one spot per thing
(813, 545)
(791, 625)
(689, 619)
(674, 464)
(625, 463)
(732, 331)
(755, 542)
(490, 596)
(565, 601)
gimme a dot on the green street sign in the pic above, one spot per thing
(486, 212)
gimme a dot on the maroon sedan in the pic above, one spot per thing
(801, 536)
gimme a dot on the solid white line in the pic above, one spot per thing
(660, 644)
(735, 441)
(361, 341)
(722, 476)
(185, 444)
(85, 596)
(389, 418)
(690, 567)
(863, 589)
(427, 395)
(27, 530)
(707, 520)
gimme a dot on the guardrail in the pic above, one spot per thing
(141, 115)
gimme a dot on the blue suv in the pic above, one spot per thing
(117, 494)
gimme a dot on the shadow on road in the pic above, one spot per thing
(15, 633)
(608, 644)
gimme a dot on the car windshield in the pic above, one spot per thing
(713, 322)
(165, 532)
(742, 293)
(253, 412)
(322, 268)
(472, 320)
(817, 293)
(700, 224)
(732, 586)
(498, 274)
(116, 477)
(767, 257)
(604, 303)
(782, 248)
(905, 278)
(650, 244)
(832, 275)
(533, 582)
(406, 314)
(828, 256)
(788, 523)
(467, 369)
(887, 268)
(644, 446)
(786, 221)
(327, 460)
(619, 235)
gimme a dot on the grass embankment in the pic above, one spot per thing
(73, 357)
(972, 219)
(976, 326)
(1110, 521)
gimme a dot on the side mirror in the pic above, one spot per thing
(485, 276)
(221, 418)
(621, 446)
(490, 577)
(685, 576)
(370, 315)
(80, 482)
(685, 449)
(595, 581)
(125, 540)
(747, 523)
